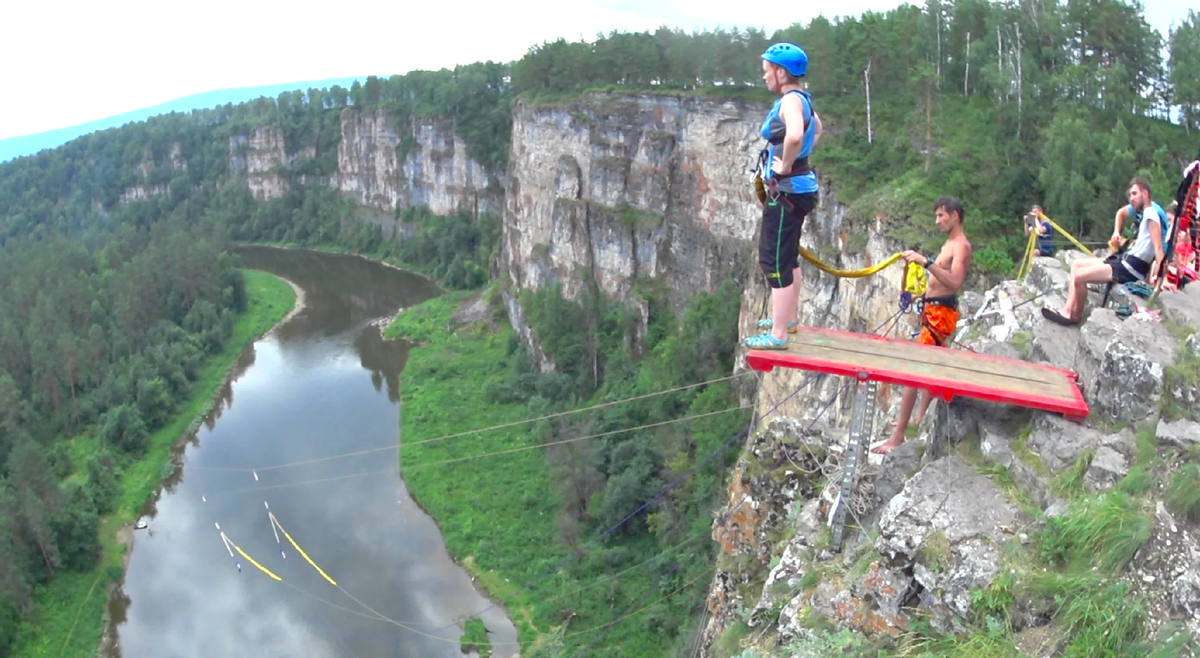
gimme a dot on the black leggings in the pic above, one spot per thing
(779, 242)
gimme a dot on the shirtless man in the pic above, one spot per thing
(940, 317)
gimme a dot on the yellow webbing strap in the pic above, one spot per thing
(1027, 259)
(914, 279)
(848, 274)
(1065, 234)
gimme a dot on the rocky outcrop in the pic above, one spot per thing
(262, 159)
(381, 164)
(947, 526)
(941, 519)
(614, 188)
(150, 171)
(385, 166)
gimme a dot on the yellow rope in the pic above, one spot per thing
(1065, 234)
(848, 274)
(1027, 259)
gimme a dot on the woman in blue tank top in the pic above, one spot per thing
(791, 129)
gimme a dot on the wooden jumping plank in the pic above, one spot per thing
(942, 371)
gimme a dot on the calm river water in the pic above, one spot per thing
(322, 384)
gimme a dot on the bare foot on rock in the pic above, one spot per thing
(886, 447)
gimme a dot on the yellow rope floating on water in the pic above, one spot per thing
(243, 553)
(301, 550)
(848, 274)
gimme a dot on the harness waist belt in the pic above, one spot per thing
(944, 300)
(800, 167)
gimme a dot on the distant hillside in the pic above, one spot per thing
(15, 147)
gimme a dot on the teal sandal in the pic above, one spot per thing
(766, 342)
(768, 323)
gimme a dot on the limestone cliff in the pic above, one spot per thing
(622, 187)
(262, 159)
(426, 163)
(381, 164)
(149, 169)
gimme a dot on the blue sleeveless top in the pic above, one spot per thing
(773, 130)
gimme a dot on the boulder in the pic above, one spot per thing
(1180, 433)
(1053, 344)
(1121, 365)
(1185, 594)
(1108, 466)
(1059, 441)
(997, 450)
(1049, 274)
(896, 467)
(947, 525)
(1183, 307)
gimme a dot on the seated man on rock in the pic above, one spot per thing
(1139, 263)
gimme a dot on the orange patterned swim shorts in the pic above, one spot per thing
(942, 319)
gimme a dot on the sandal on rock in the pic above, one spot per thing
(766, 342)
(768, 323)
(1054, 316)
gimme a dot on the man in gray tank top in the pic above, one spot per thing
(1140, 262)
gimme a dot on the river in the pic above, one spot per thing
(321, 384)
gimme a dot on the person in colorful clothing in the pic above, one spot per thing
(791, 129)
(939, 319)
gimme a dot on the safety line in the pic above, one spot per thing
(380, 617)
(526, 421)
(396, 469)
(636, 603)
(741, 434)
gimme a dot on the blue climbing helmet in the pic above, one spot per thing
(789, 56)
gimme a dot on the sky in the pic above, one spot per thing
(79, 61)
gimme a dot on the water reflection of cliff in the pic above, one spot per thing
(343, 294)
(385, 360)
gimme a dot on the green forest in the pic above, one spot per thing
(118, 293)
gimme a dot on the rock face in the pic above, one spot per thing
(935, 514)
(380, 165)
(947, 526)
(149, 169)
(1122, 364)
(261, 157)
(615, 187)
(383, 167)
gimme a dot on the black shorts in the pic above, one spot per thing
(779, 242)
(1120, 274)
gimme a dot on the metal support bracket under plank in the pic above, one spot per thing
(862, 417)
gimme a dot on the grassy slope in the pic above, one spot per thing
(73, 604)
(499, 515)
(442, 390)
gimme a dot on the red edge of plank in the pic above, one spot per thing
(765, 360)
